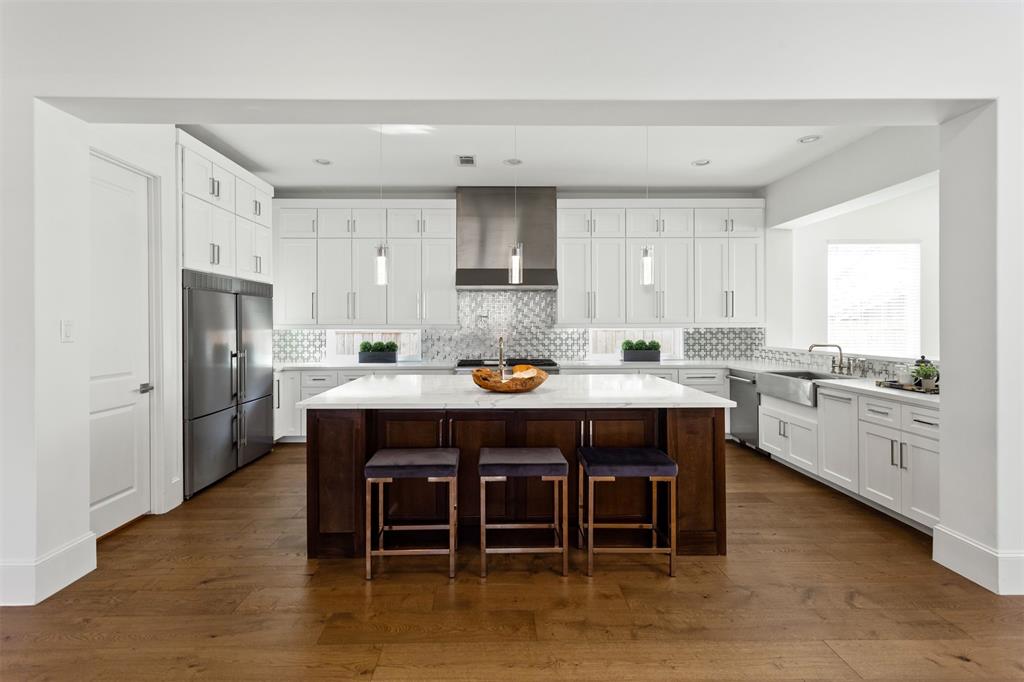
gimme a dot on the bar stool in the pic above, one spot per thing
(599, 465)
(500, 464)
(437, 465)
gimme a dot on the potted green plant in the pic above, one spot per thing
(927, 374)
(378, 351)
(641, 351)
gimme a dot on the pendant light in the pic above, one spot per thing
(647, 251)
(515, 261)
(381, 264)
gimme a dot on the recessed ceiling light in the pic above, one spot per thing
(322, 162)
(404, 129)
(701, 162)
(807, 139)
(513, 162)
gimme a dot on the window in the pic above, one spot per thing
(874, 298)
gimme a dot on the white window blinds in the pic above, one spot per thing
(874, 298)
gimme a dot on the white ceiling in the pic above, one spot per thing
(564, 156)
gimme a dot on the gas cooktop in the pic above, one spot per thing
(492, 362)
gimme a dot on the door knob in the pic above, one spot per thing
(145, 388)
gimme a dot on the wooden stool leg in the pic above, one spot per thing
(580, 519)
(565, 525)
(380, 516)
(554, 511)
(369, 538)
(483, 529)
(451, 526)
(590, 526)
(654, 513)
(672, 527)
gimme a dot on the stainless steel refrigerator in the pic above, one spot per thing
(228, 375)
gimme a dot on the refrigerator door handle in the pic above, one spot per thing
(234, 430)
(243, 361)
(234, 374)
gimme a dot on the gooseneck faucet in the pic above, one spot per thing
(501, 356)
(830, 345)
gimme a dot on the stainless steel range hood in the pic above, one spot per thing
(489, 221)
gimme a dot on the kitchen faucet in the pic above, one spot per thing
(834, 364)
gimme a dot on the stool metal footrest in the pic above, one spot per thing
(451, 526)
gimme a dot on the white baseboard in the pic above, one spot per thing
(25, 583)
(1000, 572)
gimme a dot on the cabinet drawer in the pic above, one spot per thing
(920, 420)
(322, 380)
(310, 392)
(694, 377)
(876, 411)
(661, 374)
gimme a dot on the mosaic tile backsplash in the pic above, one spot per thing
(299, 345)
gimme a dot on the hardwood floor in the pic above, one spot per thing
(814, 586)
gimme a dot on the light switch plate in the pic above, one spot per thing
(67, 331)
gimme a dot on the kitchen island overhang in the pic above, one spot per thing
(347, 424)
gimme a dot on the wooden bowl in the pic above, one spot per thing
(490, 380)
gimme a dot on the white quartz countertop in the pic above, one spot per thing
(868, 387)
(454, 391)
(353, 364)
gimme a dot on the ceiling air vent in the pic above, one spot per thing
(465, 161)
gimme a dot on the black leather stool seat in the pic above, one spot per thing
(522, 462)
(413, 463)
(627, 462)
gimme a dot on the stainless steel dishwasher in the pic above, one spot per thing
(743, 390)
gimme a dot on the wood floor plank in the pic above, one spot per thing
(932, 659)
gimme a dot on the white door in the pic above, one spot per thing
(438, 222)
(837, 439)
(677, 222)
(746, 271)
(643, 222)
(440, 300)
(770, 437)
(746, 222)
(119, 367)
(295, 292)
(608, 222)
(245, 248)
(333, 304)
(574, 281)
(711, 274)
(403, 222)
(369, 222)
(675, 264)
(404, 277)
(710, 222)
(919, 480)
(608, 281)
(369, 299)
(643, 301)
(879, 470)
(802, 438)
(297, 222)
(573, 222)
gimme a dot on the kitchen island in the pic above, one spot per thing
(347, 424)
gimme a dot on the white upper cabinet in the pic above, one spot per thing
(297, 222)
(574, 222)
(746, 222)
(369, 299)
(330, 222)
(643, 301)
(369, 222)
(729, 280)
(404, 222)
(296, 285)
(415, 222)
(592, 222)
(608, 281)
(351, 222)
(205, 180)
(253, 251)
(733, 222)
(711, 280)
(676, 266)
(438, 222)
(251, 203)
(659, 222)
(746, 277)
(677, 222)
(404, 281)
(439, 300)
(208, 237)
(574, 296)
(332, 288)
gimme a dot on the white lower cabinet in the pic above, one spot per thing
(879, 468)
(286, 394)
(789, 432)
(919, 479)
(252, 251)
(837, 438)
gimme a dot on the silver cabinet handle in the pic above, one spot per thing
(779, 429)
(732, 302)
(882, 413)
(845, 399)
(440, 432)
(892, 453)
(213, 253)
(595, 305)
(451, 420)
(277, 404)
(903, 447)
(921, 421)
(313, 228)
(213, 187)
(355, 306)
(591, 430)
(312, 305)
(581, 434)
(216, 251)
(726, 295)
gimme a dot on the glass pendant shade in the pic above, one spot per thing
(515, 265)
(382, 266)
(647, 266)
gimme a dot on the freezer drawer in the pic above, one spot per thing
(209, 449)
(255, 429)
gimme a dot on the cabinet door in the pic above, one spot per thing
(245, 200)
(746, 222)
(297, 222)
(711, 272)
(710, 222)
(608, 222)
(574, 281)
(404, 277)
(675, 269)
(643, 222)
(224, 188)
(573, 222)
(295, 292)
(837, 439)
(333, 281)
(199, 252)
(608, 281)
(403, 222)
(438, 222)
(643, 301)
(334, 222)
(802, 441)
(369, 299)
(746, 274)
(770, 438)
(919, 480)
(439, 299)
(369, 222)
(677, 222)
(245, 248)
(196, 175)
(223, 235)
(264, 247)
(879, 470)
(263, 207)
(286, 394)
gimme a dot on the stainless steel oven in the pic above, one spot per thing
(743, 418)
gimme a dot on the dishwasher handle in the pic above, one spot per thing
(732, 377)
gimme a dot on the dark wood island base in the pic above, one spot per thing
(339, 441)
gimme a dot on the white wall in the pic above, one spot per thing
(447, 50)
(911, 217)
